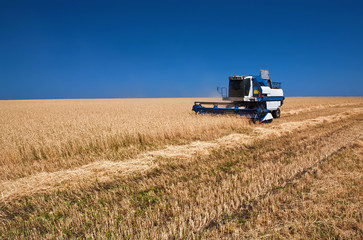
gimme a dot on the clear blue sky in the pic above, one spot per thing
(177, 48)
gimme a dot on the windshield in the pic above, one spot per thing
(239, 88)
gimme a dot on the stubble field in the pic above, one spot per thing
(152, 169)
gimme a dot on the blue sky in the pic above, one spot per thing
(109, 49)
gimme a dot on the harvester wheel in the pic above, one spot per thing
(276, 113)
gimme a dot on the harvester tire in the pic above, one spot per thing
(276, 113)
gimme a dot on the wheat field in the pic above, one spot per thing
(153, 169)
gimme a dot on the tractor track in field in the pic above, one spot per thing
(103, 171)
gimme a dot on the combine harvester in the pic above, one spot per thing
(255, 97)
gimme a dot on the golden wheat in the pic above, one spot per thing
(48, 135)
(54, 134)
(231, 186)
(104, 171)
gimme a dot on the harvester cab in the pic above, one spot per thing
(255, 97)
